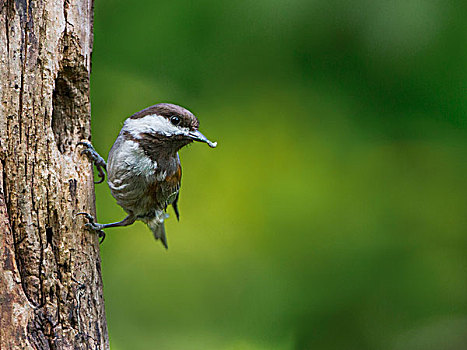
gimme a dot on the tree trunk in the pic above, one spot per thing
(50, 275)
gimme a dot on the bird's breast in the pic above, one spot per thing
(142, 183)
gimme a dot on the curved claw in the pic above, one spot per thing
(101, 174)
(87, 215)
(101, 236)
(95, 158)
(91, 225)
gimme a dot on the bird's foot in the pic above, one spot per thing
(94, 157)
(91, 225)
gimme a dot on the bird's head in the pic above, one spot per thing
(166, 125)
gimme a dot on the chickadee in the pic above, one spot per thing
(143, 167)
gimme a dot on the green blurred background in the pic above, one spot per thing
(332, 215)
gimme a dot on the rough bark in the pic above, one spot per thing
(50, 278)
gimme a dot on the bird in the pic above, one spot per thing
(143, 167)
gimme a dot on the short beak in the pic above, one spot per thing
(197, 136)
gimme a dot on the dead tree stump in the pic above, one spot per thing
(50, 275)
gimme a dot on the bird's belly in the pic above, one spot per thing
(130, 194)
(138, 183)
(142, 195)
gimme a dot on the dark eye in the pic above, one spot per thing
(175, 120)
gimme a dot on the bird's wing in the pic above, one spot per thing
(175, 206)
(168, 190)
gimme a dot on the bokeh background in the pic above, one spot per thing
(332, 215)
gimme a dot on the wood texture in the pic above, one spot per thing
(50, 278)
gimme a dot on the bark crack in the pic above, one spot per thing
(4, 188)
(24, 57)
(7, 25)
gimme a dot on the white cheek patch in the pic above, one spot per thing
(152, 124)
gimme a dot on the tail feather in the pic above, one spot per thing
(158, 230)
(156, 225)
(159, 233)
